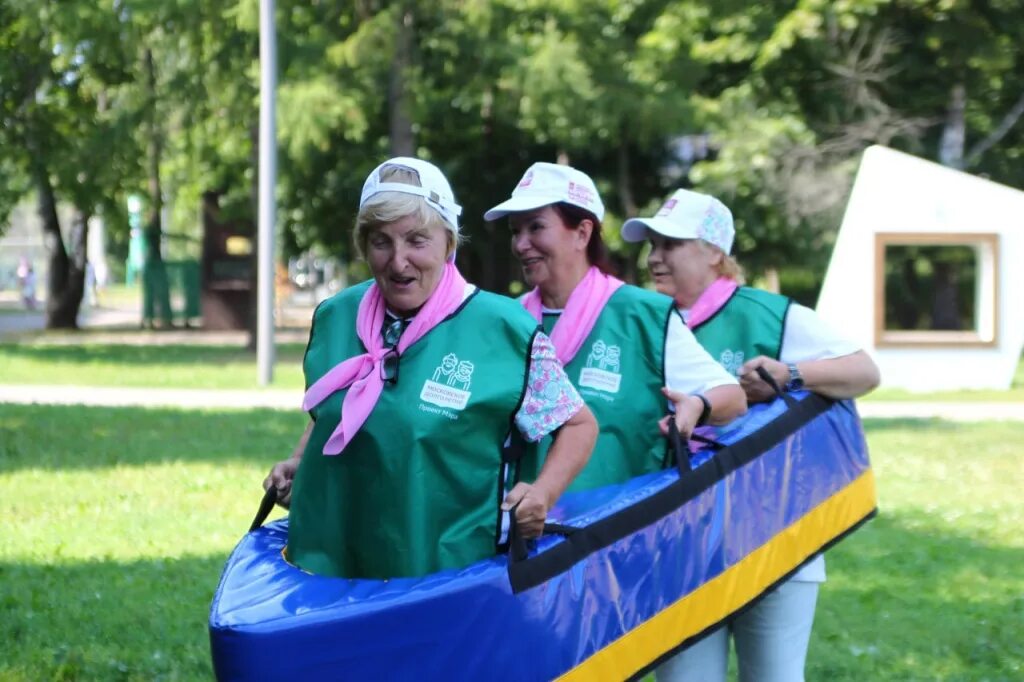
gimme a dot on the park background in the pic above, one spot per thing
(120, 507)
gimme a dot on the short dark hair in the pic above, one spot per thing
(597, 250)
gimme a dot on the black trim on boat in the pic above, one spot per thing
(537, 570)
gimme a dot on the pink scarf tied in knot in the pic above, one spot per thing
(362, 374)
(581, 312)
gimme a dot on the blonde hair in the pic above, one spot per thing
(728, 267)
(387, 207)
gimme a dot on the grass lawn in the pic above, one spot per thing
(226, 366)
(116, 525)
(163, 366)
(117, 522)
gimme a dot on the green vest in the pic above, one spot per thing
(750, 323)
(619, 371)
(418, 488)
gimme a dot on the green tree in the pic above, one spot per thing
(60, 66)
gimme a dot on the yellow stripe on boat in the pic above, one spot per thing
(734, 588)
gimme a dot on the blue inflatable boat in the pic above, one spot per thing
(634, 573)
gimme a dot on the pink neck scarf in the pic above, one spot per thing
(711, 301)
(582, 309)
(363, 372)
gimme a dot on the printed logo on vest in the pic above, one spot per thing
(449, 386)
(731, 361)
(602, 371)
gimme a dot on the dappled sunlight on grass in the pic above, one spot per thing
(69, 437)
(107, 620)
(123, 513)
(114, 543)
(122, 518)
(932, 588)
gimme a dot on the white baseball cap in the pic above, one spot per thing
(550, 183)
(686, 215)
(433, 187)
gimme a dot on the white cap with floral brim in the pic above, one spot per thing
(433, 187)
(686, 215)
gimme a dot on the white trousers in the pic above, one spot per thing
(771, 641)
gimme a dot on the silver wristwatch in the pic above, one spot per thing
(796, 380)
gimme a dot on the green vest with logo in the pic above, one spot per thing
(619, 371)
(750, 323)
(418, 488)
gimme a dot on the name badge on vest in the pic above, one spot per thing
(602, 371)
(449, 386)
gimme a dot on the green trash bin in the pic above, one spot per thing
(183, 278)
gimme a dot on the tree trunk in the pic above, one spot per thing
(60, 314)
(66, 272)
(403, 141)
(156, 200)
(156, 291)
(993, 138)
(629, 266)
(951, 148)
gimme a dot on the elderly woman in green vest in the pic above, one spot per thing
(623, 347)
(415, 381)
(746, 329)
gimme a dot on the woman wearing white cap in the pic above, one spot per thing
(744, 329)
(620, 345)
(400, 472)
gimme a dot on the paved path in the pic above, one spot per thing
(150, 397)
(291, 399)
(120, 324)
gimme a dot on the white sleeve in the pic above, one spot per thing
(688, 367)
(808, 337)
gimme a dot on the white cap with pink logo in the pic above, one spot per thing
(550, 183)
(434, 188)
(686, 215)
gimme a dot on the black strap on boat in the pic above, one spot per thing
(517, 550)
(602, 533)
(559, 529)
(681, 447)
(710, 442)
(770, 380)
(517, 547)
(515, 446)
(266, 506)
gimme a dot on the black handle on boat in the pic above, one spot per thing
(681, 447)
(770, 380)
(266, 506)
(516, 544)
(517, 549)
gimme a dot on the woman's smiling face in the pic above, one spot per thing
(407, 259)
(681, 268)
(545, 245)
